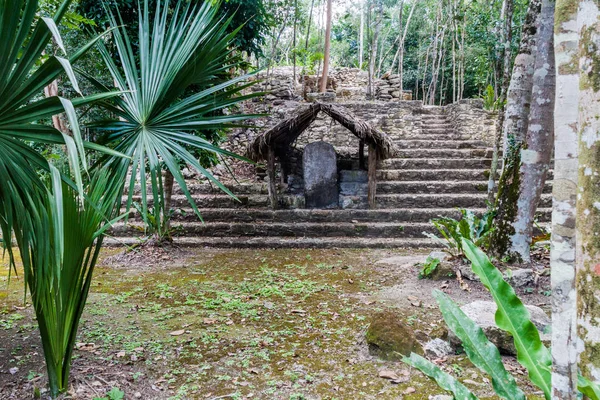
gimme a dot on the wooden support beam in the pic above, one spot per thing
(271, 174)
(361, 154)
(372, 176)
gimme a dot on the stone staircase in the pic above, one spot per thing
(435, 172)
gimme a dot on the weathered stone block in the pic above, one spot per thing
(320, 175)
(358, 176)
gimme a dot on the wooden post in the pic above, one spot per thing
(361, 154)
(372, 176)
(271, 174)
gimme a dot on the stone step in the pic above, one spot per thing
(291, 229)
(432, 175)
(436, 131)
(445, 153)
(324, 216)
(437, 124)
(451, 136)
(442, 200)
(435, 163)
(405, 200)
(290, 242)
(226, 201)
(441, 144)
(205, 188)
(419, 187)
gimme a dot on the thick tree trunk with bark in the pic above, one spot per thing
(564, 197)
(537, 153)
(327, 55)
(514, 132)
(588, 200)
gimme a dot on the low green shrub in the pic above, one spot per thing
(428, 267)
(511, 316)
(470, 227)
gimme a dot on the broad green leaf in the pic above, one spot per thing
(513, 317)
(482, 353)
(588, 388)
(444, 380)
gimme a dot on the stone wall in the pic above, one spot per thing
(349, 84)
(389, 89)
(471, 120)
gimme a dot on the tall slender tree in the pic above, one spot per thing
(564, 196)
(327, 53)
(588, 193)
(506, 56)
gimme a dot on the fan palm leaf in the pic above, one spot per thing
(178, 86)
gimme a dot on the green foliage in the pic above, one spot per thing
(112, 394)
(490, 102)
(429, 267)
(253, 16)
(159, 116)
(469, 227)
(588, 388)
(511, 316)
(482, 353)
(445, 380)
(58, 219)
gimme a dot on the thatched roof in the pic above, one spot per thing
(287, 131)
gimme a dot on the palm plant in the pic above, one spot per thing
(42, 221)
(176, 87)
(58, 219)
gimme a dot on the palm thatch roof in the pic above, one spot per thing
(286, 132)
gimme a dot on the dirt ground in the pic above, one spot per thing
(241, 324)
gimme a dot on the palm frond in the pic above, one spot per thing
(178, 86)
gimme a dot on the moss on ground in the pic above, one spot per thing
(269, 324)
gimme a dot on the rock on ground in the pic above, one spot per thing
(483, 312)
(390, 338)
(521, 277)
(438, 348)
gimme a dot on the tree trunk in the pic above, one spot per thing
(564, 198)
(168, 188)
(588, 200)
(312, 6)
(59, 121)
(327, 55)
(361, 37)
(507, 11)
(536, 156)
(514, 132)
(373, 55)
(294, 41)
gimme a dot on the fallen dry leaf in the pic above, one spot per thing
(387, 374)
(177, 333)
(409, 390)
(85, 346)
